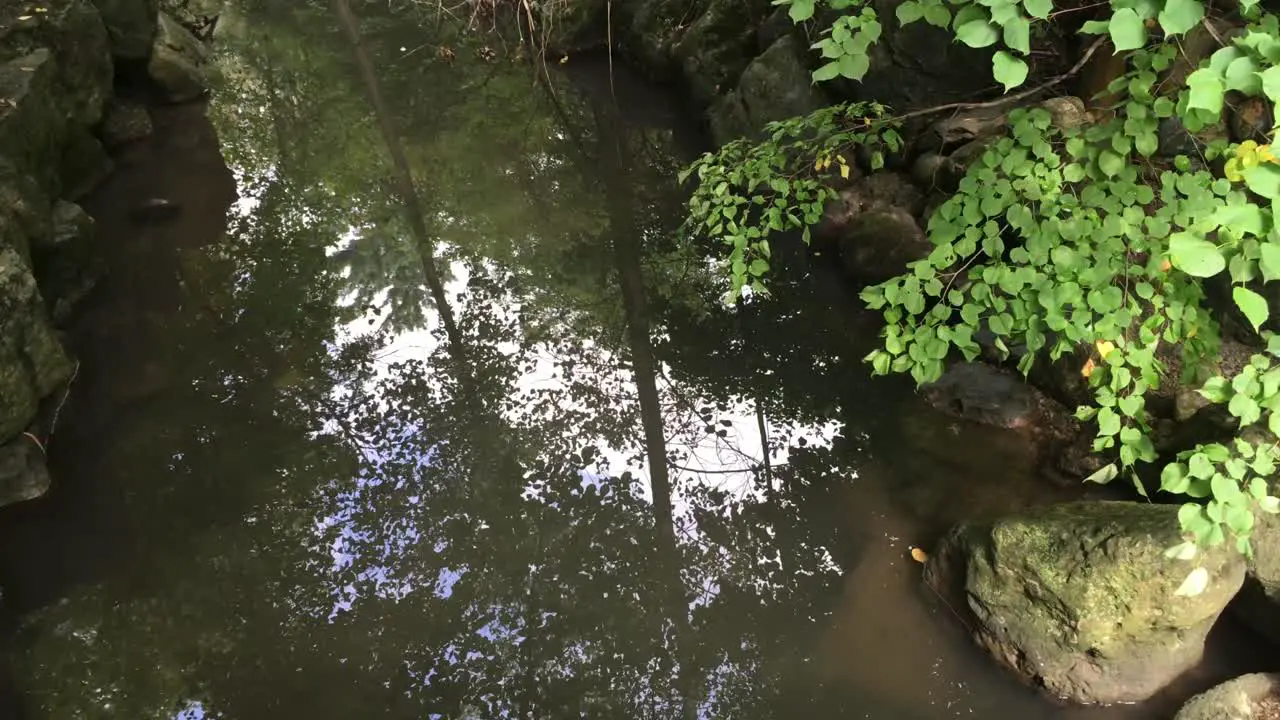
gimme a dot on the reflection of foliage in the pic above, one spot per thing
(485, 547)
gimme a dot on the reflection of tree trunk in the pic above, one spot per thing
(403, 176)
(615, 161)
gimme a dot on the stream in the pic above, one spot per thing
(291, 482)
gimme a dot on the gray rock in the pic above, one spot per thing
(1259, 601)
(32, 360)
(66, 262)
(85, 164)
(1249, 119)
(23, 473)
(872, 225)
(775, 86)
(179, 62)
(954, 130)
(716, 46)
(131, 25)
(125, 122)
(1079, 597)
(1067, 112)
(1232, 700)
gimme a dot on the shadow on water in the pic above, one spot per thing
(286, 491)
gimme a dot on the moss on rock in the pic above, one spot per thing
(1080, 598)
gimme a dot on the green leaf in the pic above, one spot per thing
(1017, 35)
(1110, 163)
(1179, 16)
(1127, 31)
(937, 15)
(1038, 8)
(854, 66)
(1195, 256)
(909, 12)
(1205, 91)
(826, 72)
(1271, 82)
(1108, 422)
(1174, 478)
(1264, 179)
(1270, 260)
(1242, 75)
(800, 10)
(1105, 475)
(977, 34)
(1008, 70)
(1253, 305)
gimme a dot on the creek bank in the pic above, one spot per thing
(743, 65)
(57, 75)
(1249, 697)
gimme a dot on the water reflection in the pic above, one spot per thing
(558, 480)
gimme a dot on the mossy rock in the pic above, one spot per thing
(73, 34)
(1079, 599)
(775, 86)
(33, 362)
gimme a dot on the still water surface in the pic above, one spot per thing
(288, 489)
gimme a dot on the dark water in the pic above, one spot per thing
(288, 490)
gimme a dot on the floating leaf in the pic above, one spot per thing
(919, 555)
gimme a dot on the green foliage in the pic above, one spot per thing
(747, 191)
(1060, 241)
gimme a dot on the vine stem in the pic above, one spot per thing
(1014, 97)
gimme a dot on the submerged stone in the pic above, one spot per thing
(1079, 598)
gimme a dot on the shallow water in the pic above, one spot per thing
(287, 489)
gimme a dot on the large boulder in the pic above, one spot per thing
(1240, 699)
(131, 25)
(920, 66)
(718, 45)
(33, 362)
(66, 262)
(179, 62)
(1259, 601)
(71, 31)
(1080, 599)
(872, 226)
(775, 86)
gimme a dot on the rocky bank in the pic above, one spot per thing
(59, 66)
(1077, 599)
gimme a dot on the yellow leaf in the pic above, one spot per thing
(1105, 348)
(1192, 332)
(817, 164)
(24, 17)
(844, 171)
(564, 59)
(1265, 154)
(919, 555)
(1166, 266)
(1195, 583)
(1087, 370)
(1231, 170)
(1246, 146)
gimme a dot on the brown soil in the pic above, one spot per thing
(1267, 709)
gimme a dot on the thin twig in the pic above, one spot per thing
(1014, 97)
